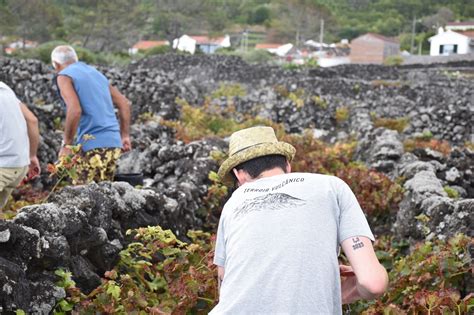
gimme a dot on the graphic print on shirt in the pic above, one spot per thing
(277, 201)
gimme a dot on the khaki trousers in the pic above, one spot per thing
(9, 179)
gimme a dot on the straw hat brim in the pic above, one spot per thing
(281, 148)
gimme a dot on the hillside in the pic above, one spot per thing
(114, 26)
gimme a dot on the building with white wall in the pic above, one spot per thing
(206, 44)
(450, 42)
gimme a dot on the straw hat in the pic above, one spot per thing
(250, 143)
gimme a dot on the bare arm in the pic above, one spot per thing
(73, 108)
(220, 276)
(33, 136)
(370, 278)
(123, 105)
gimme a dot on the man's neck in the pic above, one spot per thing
(268, 173)
(64, 66)
(244, 177)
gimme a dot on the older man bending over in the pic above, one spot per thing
(90, 116)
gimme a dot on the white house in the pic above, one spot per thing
(450, 42)
(206, 44)
(209, 45)
(281, 50)
(185, 43)
(315, 44)
(20, 44)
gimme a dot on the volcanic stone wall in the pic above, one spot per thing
(82, 228)
(440, 100)
(435, 99)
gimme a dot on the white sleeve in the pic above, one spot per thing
(219, 253)
(8, 90)
(352, 221)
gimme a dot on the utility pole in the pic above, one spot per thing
(244, 40)
(297, 39)
(321, 34)
(412, 47)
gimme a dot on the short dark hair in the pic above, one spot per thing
(257, 166)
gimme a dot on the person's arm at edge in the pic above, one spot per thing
(123, 105)
(371, 279)
(220, 276)
(33, 136)
(73, 110)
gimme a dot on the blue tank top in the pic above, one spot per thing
(98, 116)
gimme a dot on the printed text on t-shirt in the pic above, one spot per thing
(282, 184)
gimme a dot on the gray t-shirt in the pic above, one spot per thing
(14, 143)
(278, 241)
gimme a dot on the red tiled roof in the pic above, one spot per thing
(469, 33)
(466, 23)
(200, 40)
(267, 45)
(23, 44)
(147, 44)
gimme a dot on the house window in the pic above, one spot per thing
(448, 49)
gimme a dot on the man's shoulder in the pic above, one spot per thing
(331, 182)
(4, 87)
(80, 70)
(77, 66)
(315, 176)
(8, 93)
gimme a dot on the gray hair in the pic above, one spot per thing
(64, 54)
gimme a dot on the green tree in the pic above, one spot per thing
(443, 16)
(391, 25)
(106, 25)
(300, 20)
(30, 19)
(173, 18)
(260, 15)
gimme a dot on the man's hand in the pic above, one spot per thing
(123, 106)
(126, 144)
(65, 150)
(349, 291)
(34, 169)
(346, 271)
(220, 276)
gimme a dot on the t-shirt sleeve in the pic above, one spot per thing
(19, 102)
(219, 253)
(352, 221)
(11, 92)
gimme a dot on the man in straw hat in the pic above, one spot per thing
(279, 234)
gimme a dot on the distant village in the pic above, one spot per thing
(456, 38)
